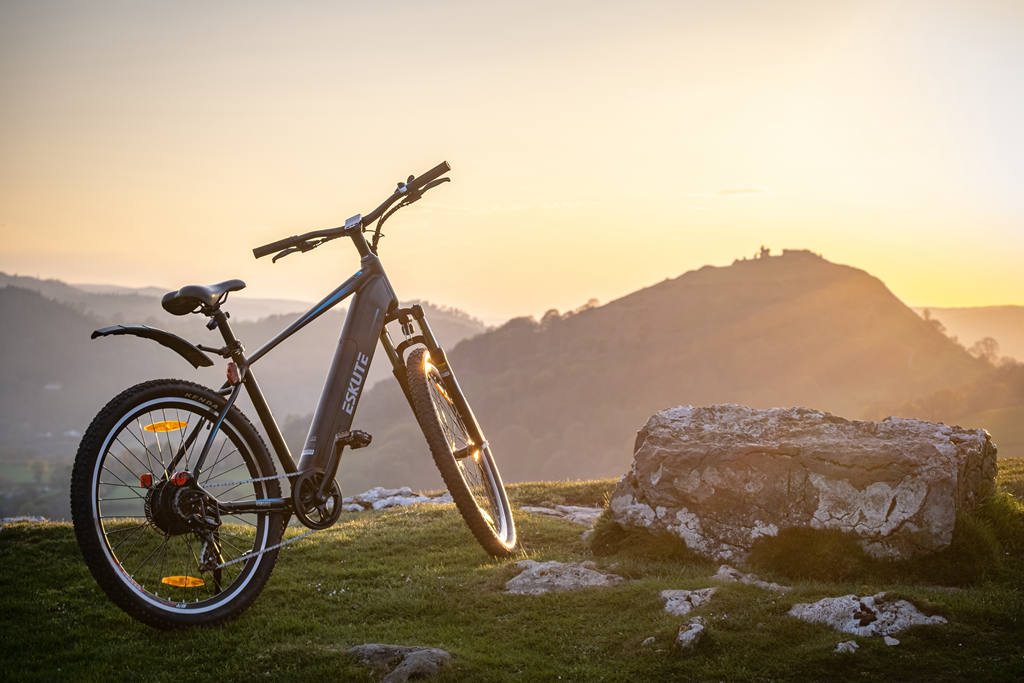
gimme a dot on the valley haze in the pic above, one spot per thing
(561, 395)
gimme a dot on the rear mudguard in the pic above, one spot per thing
(183, 348)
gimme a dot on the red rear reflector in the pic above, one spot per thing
(232, 373)
(180, 478)
(145, 480)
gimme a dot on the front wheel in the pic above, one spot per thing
(472, 478)
(162, 548)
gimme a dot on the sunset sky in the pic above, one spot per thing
(596, 147)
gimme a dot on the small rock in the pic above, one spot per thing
(680, 602)
(402, 662)
(890, 641)
(585, 516)
(542, 577)
(540, 510)
(368, 498)
(398, 501)
(443, 499)
(351, 507)
(847, 646)
(731, 574)
(873, 615)
(690, 633)
(647, 642)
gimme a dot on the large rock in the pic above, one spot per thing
(722, 476)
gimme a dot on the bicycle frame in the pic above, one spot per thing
(374, 304)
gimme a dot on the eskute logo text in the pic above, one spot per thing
(355, 384)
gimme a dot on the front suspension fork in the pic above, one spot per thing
(396, 354)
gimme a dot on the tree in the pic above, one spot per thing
(987, 349)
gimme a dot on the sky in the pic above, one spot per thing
(596, 148)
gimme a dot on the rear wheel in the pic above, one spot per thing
(162, 551)
(473, 478)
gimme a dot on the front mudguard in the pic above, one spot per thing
(182, 347)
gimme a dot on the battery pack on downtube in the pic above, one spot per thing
(347, 377)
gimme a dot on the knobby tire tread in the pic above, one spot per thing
(423, 408)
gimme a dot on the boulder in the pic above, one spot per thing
(543, 577)
(720, 477)
(401, 662)
(873, 615)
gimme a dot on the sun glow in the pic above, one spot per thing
(602, 150)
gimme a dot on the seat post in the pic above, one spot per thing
(219, 319)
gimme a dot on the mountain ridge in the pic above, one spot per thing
(563, 396)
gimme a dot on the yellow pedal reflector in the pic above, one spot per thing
(166, 426)
(183, 581)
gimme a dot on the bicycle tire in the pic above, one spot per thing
(110, 507)
(474, 481)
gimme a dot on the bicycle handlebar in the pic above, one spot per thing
(432, 174)
(412, 188)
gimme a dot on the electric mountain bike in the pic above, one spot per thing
(177, 505)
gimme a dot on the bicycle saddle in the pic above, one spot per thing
(189, 297)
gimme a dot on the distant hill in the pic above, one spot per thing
(1005, 324)
(563, 397)
(56, 378)
(127, 304)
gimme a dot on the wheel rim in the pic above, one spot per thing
(475, 470)
(141, 530)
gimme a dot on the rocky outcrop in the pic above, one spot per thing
(401, 662)
(544, 577)
(720, 477)
(873, 615)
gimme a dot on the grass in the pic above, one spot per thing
(415, 576)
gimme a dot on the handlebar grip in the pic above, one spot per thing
(432, 174)
(267, 249)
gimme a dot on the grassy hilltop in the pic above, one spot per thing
(415, 576)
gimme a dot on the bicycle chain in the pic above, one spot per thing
(248, 556)
(251, 481)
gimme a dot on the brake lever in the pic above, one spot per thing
(302, 246)
(434, 183)
(283, 253)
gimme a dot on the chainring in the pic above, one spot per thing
(311, 512)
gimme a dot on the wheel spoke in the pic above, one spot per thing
(150, 533)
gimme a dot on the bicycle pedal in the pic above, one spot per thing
(356, 439)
